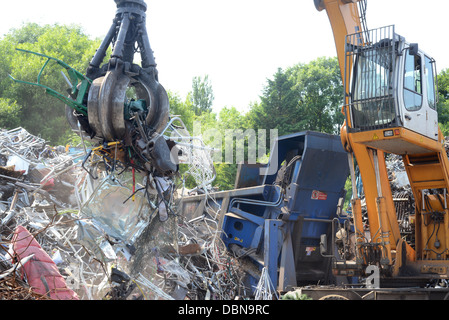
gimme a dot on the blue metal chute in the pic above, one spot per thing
(279, 225)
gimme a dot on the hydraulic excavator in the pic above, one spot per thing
(390, 107)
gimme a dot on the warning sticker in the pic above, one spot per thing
(309, 250)
(318, 195)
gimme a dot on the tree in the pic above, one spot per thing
(303, 97)
(183, 109)
(279, 107)
(443, 101)
(202, 95)
(443, 84)
(320, 89)
(230, 121)
(9, 114)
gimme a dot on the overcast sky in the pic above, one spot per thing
(238, 43)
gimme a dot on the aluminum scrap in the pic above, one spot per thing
(112, 232)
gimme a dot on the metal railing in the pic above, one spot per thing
(369, 75)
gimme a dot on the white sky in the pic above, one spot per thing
(238, 43)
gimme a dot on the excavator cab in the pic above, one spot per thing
(389, 84)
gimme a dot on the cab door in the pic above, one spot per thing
(431, 101)
(418, 107)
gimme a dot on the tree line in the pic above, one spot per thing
(305, 96)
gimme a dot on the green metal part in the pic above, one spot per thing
(133, 106)
(80, 84)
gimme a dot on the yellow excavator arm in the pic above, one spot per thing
(345, 19)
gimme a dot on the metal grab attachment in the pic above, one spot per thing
(138, 121)
(121, 100)
(107, 96)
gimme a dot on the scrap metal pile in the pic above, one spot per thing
(400, 188)
(73, 230)
(101, 221)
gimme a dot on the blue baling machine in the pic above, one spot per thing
(277, 214)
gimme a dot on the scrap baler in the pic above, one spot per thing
(275, 217)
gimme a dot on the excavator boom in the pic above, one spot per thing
(345, 19)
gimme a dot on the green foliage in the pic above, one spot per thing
(226, 173)
(280, 105)
(212, 129)
(229, 120)
(303, 97)
(348, 197)
(444, 128)
(202, 95)
(28, 33)
(443, 99)
(443, 84)
(9, 114)
(183, 109)
(320, 91)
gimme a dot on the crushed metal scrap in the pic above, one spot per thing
(104, 218)
(75, 225)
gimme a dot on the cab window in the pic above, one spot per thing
(413, 82)
(428, 73)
